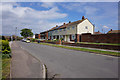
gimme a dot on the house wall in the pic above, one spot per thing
(76, 29)
(81, 27)
(71, 30)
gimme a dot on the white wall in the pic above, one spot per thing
(81, 27)
(67, 31)
(71, 30)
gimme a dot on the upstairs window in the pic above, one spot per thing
(73, 27)
(64, 29)
(68, 27)
(60, 30)
(86, 27)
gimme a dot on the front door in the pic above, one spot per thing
(68, 38)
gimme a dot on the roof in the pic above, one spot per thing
(98, 32)
(66, 25)
(114, 31)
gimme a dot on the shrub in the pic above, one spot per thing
(33, 40)
(5, 47)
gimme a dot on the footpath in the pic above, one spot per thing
(23, 65)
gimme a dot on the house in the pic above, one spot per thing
(44, 35)
(114, 31)
(33, 36)
(98, 32)
(37, 36)
(69, 32)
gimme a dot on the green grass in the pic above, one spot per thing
(99, 43)
(84, 49)
(5, 68)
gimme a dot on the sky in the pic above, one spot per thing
(42, 16)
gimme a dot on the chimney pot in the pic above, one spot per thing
(83, 17)
(111, 30)
(69, 21)
(63, 23)
(56, 25)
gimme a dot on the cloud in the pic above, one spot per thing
(90, 10)
(60, 0)
(48, 4)
(14, 15)
(106, 27)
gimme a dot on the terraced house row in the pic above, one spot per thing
(69, 32)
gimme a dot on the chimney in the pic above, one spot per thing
(63, 23)
(111, 30)
(83, 17)
(69, 21)
(98, 31)
(56, 25)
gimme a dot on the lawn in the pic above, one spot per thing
(85, 49)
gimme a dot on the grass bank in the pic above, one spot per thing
(99, 43)
(85, 49)
(5, 68)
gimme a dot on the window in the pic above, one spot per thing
(73, 27)
(61, 36)
(68, 27)
(60, 30)
(73, 37)
(86, 27)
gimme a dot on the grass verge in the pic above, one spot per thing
(5, 68)
(100, 43)
(85, 49)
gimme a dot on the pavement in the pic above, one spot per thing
(24, 65)
(65, 63)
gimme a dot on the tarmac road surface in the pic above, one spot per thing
(65, 63)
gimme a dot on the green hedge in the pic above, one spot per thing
(5, 49)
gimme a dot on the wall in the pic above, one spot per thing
(81, 27)
(109, 47)
(101, 38)
(66, 31)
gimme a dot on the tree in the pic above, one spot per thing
(26, 33)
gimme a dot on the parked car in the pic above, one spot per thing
(27, 41)
(23, 40)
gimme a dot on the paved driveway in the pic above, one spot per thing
(73, 64)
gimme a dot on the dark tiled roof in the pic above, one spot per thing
(114, 31)
(98, 32)
(66, 25)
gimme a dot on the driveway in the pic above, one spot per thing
(65, 63)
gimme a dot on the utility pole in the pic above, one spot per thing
(15, 33)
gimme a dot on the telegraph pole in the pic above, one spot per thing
(15, 33)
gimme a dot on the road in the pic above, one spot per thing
(65, 63)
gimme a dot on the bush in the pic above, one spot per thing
(5, 47)
(33, 40)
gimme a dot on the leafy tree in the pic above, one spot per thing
(26, 33)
